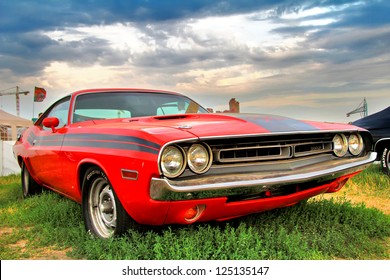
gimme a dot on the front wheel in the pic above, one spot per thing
(385, 160)
(104, 215)
(29, 185)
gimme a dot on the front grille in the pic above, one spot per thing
(253, 153)
(312, 148)
(266, 149)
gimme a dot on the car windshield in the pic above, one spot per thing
(109, 105)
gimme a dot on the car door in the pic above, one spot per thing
(45, 159)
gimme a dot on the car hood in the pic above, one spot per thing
(164, 129)
(210, 125)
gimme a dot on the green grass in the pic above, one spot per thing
(321, 228)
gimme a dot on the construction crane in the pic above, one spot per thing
(362, 109)
(16, 93)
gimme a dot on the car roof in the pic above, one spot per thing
(124, 90)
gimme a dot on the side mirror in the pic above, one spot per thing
(51, 123)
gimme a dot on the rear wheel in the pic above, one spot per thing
(104, 215)
(385, 160)
(29, 185)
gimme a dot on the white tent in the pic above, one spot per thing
(9, 127)
(10, 124)
(8, 163)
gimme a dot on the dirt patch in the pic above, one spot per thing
(22, 247)
(6, 231)
(51, 254)
(381, 204)
(355, 195)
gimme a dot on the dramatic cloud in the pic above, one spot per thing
(301, 58)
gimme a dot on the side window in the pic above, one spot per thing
(60, 111)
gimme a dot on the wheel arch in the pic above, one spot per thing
(25, 162)
(380, 146)
(20, 161)
(82, 169)
(102, 221)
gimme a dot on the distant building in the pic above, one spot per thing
(234, 107)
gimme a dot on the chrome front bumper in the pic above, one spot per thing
(209, 186)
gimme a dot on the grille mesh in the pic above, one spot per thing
(274, 149)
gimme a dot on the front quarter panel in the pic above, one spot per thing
(119, 148)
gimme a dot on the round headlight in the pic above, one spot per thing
(355, 143)
(172, 161)
(198, 158)
(340, 145)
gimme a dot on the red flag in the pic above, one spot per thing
(39, 94)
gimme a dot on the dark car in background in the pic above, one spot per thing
(379, 126)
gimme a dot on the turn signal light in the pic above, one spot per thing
(192, 214)
(338, 185)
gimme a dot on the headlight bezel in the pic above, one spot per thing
(360, 148)
(163, 167)
(341, 151)
(207, 151)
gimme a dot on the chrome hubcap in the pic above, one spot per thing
(102, 207)
(107, 207)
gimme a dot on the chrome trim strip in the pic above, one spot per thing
(164, 189)
(352, 130)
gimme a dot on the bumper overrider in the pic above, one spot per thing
(244, 185)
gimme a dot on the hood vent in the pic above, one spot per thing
(171, 117)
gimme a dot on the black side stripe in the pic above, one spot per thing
(95, 141)
(111, 137)
(109, 145)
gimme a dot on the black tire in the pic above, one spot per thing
(385, 160)
(29, 185)
(104, 215)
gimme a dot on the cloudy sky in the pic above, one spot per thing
(304, 59)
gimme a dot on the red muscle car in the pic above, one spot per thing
(157, 157)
